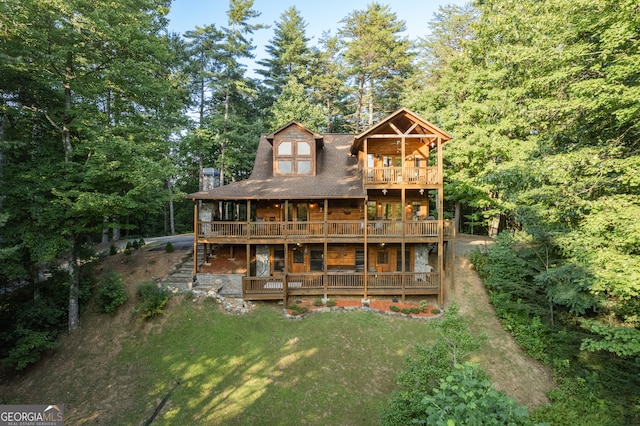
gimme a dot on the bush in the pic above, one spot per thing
(435, 311)
(169, 247)
(318, 302)
(423, 305)
(141, 242)
(297, 309)
(135, 245)
(151, 300)
(466, 397)
(405, 311)
(112, 293)
(331, 303)
(113, 250)
(29, 347)
(414, 310)
(394, 308)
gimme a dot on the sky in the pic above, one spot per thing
(320, 15)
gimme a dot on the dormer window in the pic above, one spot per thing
(293, 157)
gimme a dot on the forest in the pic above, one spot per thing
(107, 120)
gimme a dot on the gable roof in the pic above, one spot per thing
(403, 122)
(337, 176)
(318, 137)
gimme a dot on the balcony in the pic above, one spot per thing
(340, 283)
(400, 175)
(222, 231)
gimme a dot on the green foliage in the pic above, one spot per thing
(135, 245)
(297, 309)
(423, 305)
(622, 341)
(151, 300)
(394, 308)
(29, 347)
(331, 302)
(465, 397)
(430, 365)
(169, 247)
(113, 250)
(414, 310)
(405, 311)
(112, 292)
(318, 302)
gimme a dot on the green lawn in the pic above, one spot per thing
(329, 368)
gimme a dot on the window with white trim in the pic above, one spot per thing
(294, 157)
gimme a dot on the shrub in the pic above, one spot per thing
(394, 308)
(405, 311)
(435, 311)
(169, 247)
(113, 250)
(151, 300)
(414, 310)
(466, 397)
(29, 347)
(135, 245)
(112, 293)
(331, 303)
(423, 305)
(318, 302)
(297, 309)
(141, 242)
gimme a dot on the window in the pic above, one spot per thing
(298, 255)
(383, 257)
(303, 148)
(284, 166)
(278, 259)
(317, 260)
(294, 158)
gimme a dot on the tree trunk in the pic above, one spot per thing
(360, 102)
(74, 290)
(105, 232)
(172, 226)
(456, 216)
(66, 133)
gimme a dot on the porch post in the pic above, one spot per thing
(196, 226)
(440, 223)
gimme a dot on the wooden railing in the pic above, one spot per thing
(398, 175)
(330, 229)
(340, 283)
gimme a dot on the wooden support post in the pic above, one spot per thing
(196, 228)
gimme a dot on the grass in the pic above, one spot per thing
(261, 368)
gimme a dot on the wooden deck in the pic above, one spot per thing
(222, 231)
(340, 283)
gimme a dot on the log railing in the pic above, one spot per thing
(408, 175)
(330, 229)
(340, 283)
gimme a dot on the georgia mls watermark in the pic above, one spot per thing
(32, 415)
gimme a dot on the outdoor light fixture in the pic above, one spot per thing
(421, 191)
(384, 192)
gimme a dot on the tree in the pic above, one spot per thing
(294, 104)
(378, 62)
(289, 53)
(83, 73)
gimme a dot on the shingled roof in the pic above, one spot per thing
(337, 176)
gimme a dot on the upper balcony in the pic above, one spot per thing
(392, 176)
(294, 232)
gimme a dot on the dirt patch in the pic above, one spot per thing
(520, 376)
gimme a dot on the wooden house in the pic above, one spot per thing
(330, 215)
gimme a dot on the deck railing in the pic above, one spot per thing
(340, 283)
(330, 229)
(408, 175)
